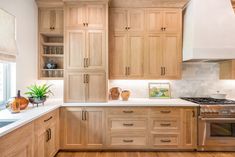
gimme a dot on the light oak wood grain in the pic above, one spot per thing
(144, 154)
(227, 70)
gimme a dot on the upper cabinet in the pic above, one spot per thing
(85, 16)
(51, 20)
(227, 71)
(145, 43)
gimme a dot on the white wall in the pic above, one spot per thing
(25, 12)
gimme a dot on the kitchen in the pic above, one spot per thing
(128, 77)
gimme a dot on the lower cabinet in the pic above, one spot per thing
(123, 128)
(82, 127)
(47, 135)
(18, 143)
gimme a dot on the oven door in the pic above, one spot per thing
(216, 133)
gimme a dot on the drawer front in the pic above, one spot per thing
(128, 141)
(165, 140)
(127, 124)
(165, 111)
(127, 111)
(47, 119)
(168, 124)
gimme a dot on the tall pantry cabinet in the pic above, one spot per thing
(86, 30)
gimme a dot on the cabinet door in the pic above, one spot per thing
(74, 87)
(75, 49)
(72, 128)
(118, 55)
(153, 56)
(75, 16)
(135, 55)
(45, 19)
(40, 143)
(189, 138)
(96, 87)
(58, 20)
(136, 20)
(172, 57)
(95, 16)
(53, 143)
(95, 47)
(154, 21)
(18, 143)
(172, 21)
(118, 20)
(94, 127)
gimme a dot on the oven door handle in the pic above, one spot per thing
(216, 119)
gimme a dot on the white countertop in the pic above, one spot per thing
(138, 102)
(32, 113)
(25, 116)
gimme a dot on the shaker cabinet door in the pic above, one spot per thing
(95, 16)
(75, 16)
(75, 87)
(75, 49)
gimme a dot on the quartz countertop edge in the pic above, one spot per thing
(32, 113)
(137, 103)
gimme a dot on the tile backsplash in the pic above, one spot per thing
(198, 79)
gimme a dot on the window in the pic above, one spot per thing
(7, 82)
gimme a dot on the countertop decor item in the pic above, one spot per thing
(51, 65)
(18, 100)
(38, 94)
(115, 93)
(159, 90)
(218, 95)
(125, 95)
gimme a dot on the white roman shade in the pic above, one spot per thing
(8, 48)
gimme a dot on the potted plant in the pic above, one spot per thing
(38, 94)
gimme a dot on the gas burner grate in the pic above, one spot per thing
(208, 101)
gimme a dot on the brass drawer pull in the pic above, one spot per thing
(48, 119)
(166, 141)
(128, 124)
(165, 124)
(128, 141)
(48, 135)
(165, 112)
(128, 111)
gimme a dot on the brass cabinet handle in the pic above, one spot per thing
(126, 28)
(127, 111)
(126, 71)
(128, 124)
(48, 119)
(87, 78)
(162, 29)
(161, 71)
(128, 141)
(48, 135)
(87, 24)
(165, 112)
(166, 141)
(84, 62)
(164, 70)
(87, 62)
(84, 24)
(85, 115)
(165, 124)
(193, 113)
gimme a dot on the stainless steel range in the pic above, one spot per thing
(216, 124)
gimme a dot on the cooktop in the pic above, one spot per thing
(208, 101)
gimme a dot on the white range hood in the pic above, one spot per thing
(209, 31)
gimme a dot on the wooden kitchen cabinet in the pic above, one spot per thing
(145, 44)
(85, 16)
(18, 143)
(47, 135)
(82, 127)
(85, 86)
(227, 70)
(51, 20)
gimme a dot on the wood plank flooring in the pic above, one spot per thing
(146, 154)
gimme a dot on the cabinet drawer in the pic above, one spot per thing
(127, 111)
(127, 124)
(128, 141)
(168, 124)
(165, 140)
(165, 111)
(46, 119)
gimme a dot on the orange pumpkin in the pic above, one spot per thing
(23, 102)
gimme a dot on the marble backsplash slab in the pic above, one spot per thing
(198, 79)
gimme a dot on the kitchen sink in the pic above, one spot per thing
(5, 122)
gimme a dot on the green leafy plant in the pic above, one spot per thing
(37, 91)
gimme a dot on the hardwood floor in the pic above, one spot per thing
(145, 154)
